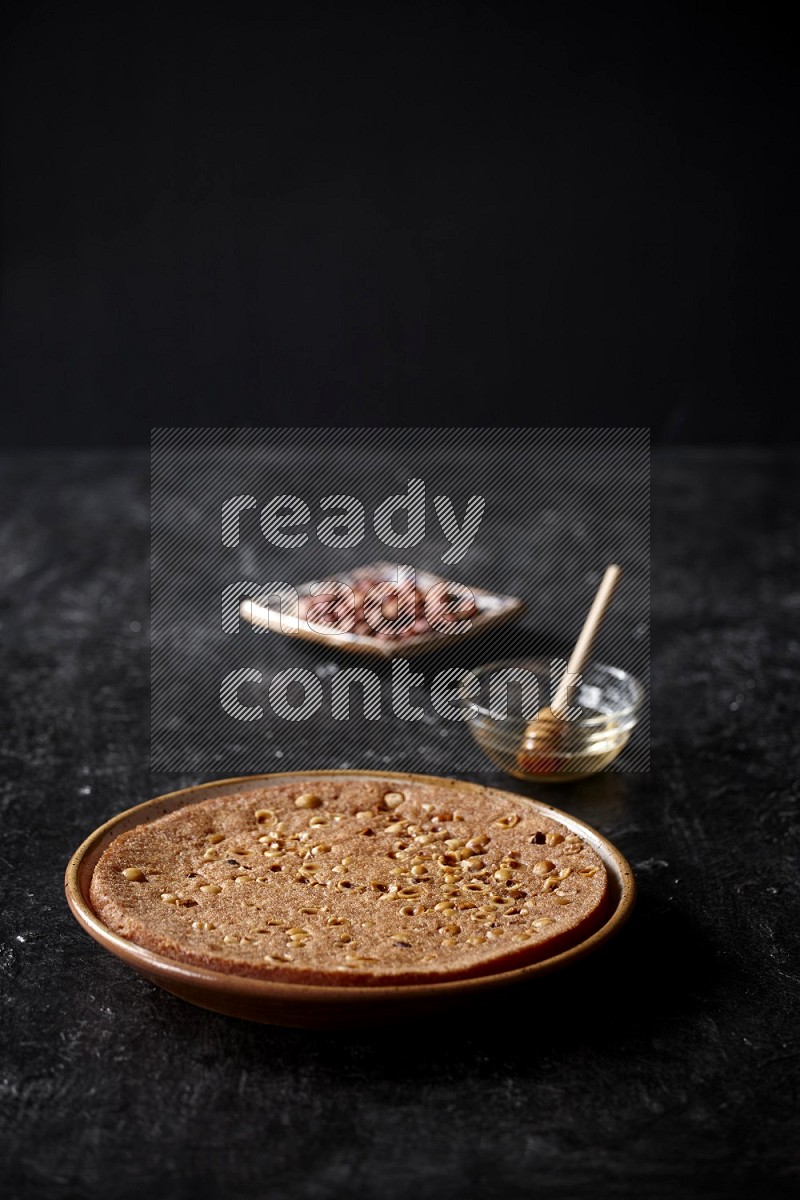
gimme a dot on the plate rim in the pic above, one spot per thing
(324, 995)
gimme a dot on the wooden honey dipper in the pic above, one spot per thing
(543, 740)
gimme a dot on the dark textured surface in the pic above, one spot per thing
(666, 1067)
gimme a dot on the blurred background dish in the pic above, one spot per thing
(608, 696)
(350, 629)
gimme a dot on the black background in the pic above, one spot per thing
(395, 214)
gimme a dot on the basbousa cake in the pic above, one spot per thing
(355, 880)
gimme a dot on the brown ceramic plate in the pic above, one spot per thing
(306, 1005)
(493, 609)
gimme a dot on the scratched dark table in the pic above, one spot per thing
(667, 1066)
